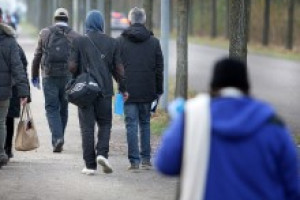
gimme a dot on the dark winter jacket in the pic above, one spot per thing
(84, 52)
(143, 63)
(11, 67)
(252, 155)
(14, 106)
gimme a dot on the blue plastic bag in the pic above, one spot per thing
(119, 104)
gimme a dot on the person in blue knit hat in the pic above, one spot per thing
(102, 55)
(228, 145)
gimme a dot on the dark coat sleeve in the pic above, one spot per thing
(159, 70)
(18, 72)
(118, 69)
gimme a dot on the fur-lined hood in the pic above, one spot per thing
(7, 30)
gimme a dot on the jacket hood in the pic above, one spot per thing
(94, 22)
(137, 33)
(238, 117)
(6, 30)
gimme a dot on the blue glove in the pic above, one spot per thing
(36, 82)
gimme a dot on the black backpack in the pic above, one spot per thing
(57, 52)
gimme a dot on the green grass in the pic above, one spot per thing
(159, 122)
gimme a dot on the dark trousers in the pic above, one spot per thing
(9, 133)
(99, 112)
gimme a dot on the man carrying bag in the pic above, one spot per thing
(99, 54)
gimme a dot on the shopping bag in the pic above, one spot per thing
(26, 138)
(119, 104)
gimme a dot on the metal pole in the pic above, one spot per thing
(75, 15)
(165, 34)
(87, 6)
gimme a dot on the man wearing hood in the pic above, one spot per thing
(246, 153)
(11, 70)
(51, 56)
(143, 61)
(100, 54)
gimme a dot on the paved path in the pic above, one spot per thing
(42, 175)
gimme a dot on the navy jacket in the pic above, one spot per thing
(252, 155)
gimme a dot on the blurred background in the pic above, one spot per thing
(268, 21)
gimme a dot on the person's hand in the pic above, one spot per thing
(36, 82)
(125, 96)
(23, 101)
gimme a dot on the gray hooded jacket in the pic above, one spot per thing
(11, 67)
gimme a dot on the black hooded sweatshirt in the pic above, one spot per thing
(142, 58)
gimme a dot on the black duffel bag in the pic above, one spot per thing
(83, 90)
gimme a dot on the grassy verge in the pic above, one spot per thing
(271, 50)
(160, 120)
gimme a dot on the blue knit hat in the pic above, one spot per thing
(94, 22)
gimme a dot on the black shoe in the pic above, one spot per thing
(9, 153)
(3, 160)
(58, 146)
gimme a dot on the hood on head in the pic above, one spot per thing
(7, 30)
(94, 22)
(137, 33)
(238, 117)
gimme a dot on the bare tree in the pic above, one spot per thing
(107, 8)
(213, 28)
(290, 25)
(266, 27)
(148, 6)
(238, 28)
(182, 49)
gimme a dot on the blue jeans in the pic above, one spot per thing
(56, 105)
(137, 116)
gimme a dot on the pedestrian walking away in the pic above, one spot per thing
(11, 73)
(14, 109)
(229, 145)
(99, 54)
(143, 62)
(51, 56)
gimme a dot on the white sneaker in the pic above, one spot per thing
(105, 164)
(88, 171)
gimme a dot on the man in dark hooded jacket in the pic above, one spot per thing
(100, 53)
(143, 61)
(11, 68)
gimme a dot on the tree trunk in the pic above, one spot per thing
(148, 6)
(202, 16)
(213, 30)
(266, 27)
(191, 17)
(238, 12)
(94, 4)
(226, 32)
(182, 49)
(108, 17)
(290, 25)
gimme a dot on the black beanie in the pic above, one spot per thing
(230, 72)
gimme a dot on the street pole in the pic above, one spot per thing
(75, 15)
(165, 33)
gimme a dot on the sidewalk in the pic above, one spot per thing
(42, 175)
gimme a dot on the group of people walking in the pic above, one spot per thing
(134, 60)
(225, 145)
